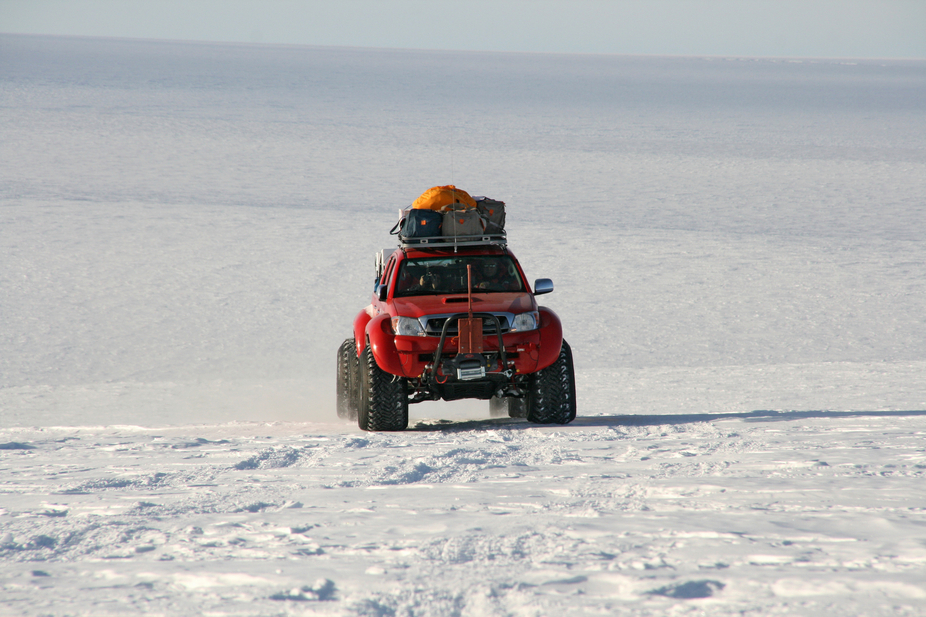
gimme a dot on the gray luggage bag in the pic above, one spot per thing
(463, 222)
(493, 211)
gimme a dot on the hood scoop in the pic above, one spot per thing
(456, 300)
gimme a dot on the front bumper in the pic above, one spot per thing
(419, 355)
(424, 358)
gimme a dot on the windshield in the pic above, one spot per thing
(447, 275)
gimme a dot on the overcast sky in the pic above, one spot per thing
(804, 28)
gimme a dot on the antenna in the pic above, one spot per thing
(469, 289)
(454, 212)
(453, 192)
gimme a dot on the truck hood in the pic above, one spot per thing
(419, 306)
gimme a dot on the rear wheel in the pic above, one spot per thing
(498, 407)
(354, 392)
(517, 408)
(383, 397)
(551, 397)
(508, 406)
(345, 378)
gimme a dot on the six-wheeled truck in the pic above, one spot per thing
(454, 318)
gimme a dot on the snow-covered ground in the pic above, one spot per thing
(186, 231)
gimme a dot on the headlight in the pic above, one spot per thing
(525, 321)
(407, 326)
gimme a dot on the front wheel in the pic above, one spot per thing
(551, 397)
(383, 397)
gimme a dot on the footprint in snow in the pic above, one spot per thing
(689, 591)
(323, 589)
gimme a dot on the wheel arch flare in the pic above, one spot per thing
(551, 337)
(381, 339)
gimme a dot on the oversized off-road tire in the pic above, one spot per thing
(353, 406)
(508, 406)
(383, 397)
(498, 407)
(517, 408)
(345, 377)
(551, 397)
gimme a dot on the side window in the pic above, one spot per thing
(387, 272)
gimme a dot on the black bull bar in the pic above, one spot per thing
(462, 378)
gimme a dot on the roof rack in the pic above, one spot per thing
(446, 242)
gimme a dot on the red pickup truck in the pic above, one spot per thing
(454, 318)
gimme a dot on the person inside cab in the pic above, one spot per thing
(493, 275)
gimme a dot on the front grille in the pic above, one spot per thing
(436, 324)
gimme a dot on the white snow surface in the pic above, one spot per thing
(187, 231)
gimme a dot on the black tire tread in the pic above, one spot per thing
(517, 408)
(343, 398)
(498, 407)
(384, 400)
(508, 406)
(552, 391)
(354, 391)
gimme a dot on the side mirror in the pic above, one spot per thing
(382, 292)
(542, 286)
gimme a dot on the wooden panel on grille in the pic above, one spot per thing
(470, 335)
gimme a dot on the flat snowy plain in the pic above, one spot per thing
(187, 230)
